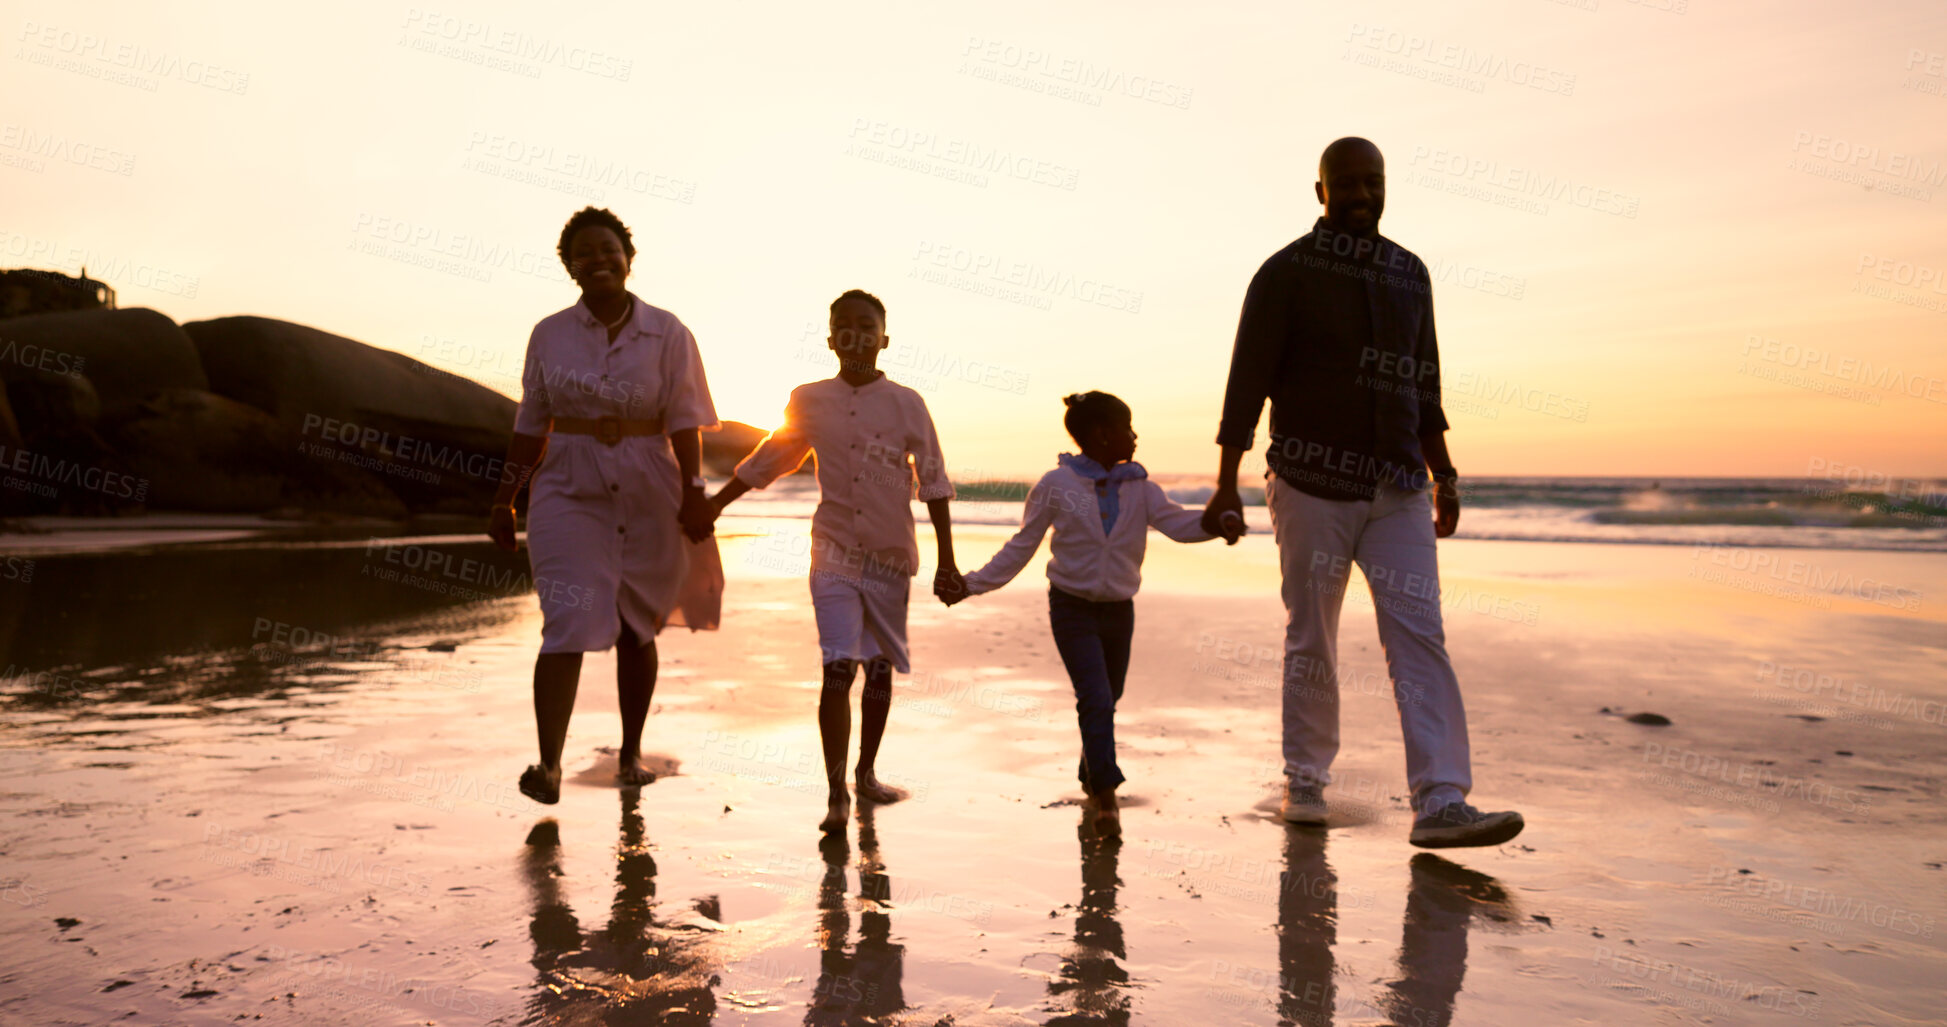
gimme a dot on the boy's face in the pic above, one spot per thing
(858, 334)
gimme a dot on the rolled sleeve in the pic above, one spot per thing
(535, 412)
(686, 402)
(1262, 328)
(782, 451)
(929, 465)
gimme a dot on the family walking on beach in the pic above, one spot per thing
(1336, 332)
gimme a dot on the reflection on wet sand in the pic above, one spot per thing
(861, 986)
(635, 969)
(1444, 898)
(1441, 903)
(1093, 986)
(193, 622)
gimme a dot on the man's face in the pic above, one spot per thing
(1352, 186)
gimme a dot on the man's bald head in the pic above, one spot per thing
(1352, 185)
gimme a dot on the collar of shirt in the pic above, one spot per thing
(589, 320)
(1110, 502)
(839, 379)
(1377, 251)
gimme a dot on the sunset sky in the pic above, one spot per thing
(1671, 237)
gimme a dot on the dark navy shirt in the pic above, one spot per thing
(1337, 332)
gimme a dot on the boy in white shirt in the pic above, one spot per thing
(873, 439)
(1101, 505)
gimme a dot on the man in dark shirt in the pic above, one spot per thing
(1337, 332)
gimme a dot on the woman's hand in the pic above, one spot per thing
(500, 528)
(697, 515)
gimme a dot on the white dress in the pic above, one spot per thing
(602, 535)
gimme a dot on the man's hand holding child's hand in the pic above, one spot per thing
(949, 586)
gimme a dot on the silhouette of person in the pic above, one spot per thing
(862, 985)
(634, 970)
(1093, 985)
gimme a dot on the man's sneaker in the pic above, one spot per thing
(1458, 825)
(1303, 804)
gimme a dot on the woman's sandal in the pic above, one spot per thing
(537, 785)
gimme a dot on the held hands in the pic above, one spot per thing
(1446, 508)
(949, 586)
(697, 515)
(1223, 516)
(500, 528)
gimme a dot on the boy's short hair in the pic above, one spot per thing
(1088, 409)
(861, 294)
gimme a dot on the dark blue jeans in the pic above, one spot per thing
(1093, 639)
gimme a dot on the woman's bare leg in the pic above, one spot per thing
(556, 676)
(635, 687)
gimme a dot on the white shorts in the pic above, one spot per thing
(861, 616)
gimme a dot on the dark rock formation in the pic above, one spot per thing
(124, 354)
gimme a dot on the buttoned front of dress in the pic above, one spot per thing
(603, 538)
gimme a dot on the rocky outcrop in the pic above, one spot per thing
(123, 354)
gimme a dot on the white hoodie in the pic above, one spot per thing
(1083, 561)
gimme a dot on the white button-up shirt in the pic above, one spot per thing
(874, 443)
(1085, 561)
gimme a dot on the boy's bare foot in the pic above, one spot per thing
(871, 790)
(632, 772)
(837, 808)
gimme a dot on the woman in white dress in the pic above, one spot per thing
(612, 398)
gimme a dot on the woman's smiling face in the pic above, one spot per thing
(600, 263)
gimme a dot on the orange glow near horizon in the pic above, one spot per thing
(1665, 240)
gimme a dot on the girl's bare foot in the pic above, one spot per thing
(837, 808)
(632, 772)
(1108, 816)
(871, 790)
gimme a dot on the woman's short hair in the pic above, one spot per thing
(592, 217)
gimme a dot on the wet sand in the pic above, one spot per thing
(257, 782)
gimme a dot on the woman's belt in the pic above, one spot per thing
(609, 430)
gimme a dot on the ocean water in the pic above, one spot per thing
(1908, 514)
